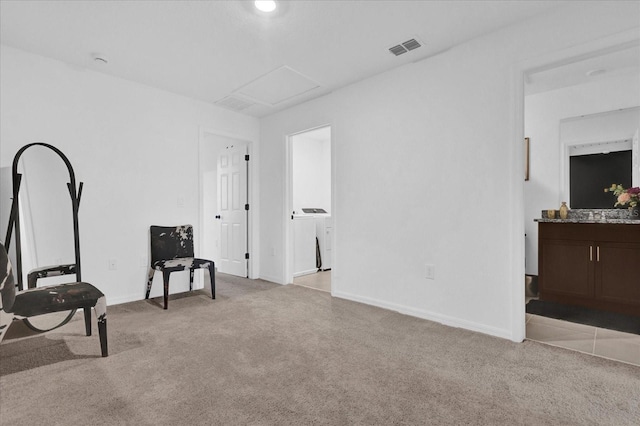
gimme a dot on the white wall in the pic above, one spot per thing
(311, 173)
(134, 147)
(543, 114)
(423, 171)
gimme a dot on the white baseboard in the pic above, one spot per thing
(121, 300)
(271, 279)
(136, 297)
(419, 313)
(431, 316)
(307, 272)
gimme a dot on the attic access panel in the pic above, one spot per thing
(277, 86)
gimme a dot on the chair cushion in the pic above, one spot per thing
(55, 298)
(180, 264)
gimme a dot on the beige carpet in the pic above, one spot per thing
(263, 354)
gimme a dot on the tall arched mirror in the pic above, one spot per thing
(43, 225)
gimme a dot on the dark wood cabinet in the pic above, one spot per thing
(592, 265)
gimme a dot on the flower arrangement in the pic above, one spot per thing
(629, 196)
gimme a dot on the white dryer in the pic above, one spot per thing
(304, 245)
(324, 234)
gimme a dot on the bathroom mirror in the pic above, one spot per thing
(598, 150)
(43, 224)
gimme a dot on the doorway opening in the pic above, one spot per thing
(579, 109)
(309, 189)
(224, 203)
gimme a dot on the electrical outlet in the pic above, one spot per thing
(430, 271)
(113, 264)
(180, 201)
(273, 251)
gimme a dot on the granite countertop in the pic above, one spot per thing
(570, 220)
(613, 216)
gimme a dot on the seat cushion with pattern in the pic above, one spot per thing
(180, 264)
(55, 298)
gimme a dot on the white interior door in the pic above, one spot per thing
(232, 199)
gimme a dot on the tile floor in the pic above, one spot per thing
(610, 344)
(318, 281)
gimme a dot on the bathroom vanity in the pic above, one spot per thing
(590, 261)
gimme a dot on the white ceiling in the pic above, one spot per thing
(228, 52)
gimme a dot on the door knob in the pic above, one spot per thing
(218, 216)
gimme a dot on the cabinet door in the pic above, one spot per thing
(566, 268)
(618, 272)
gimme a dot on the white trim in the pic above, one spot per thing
(303, 273)
(427, 315)
(287, 231)
(520, 70)
(271, 279)
(287, 236)
(334, 208)
(516, 187)
(121, 300)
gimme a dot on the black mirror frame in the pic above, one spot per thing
(14, 218)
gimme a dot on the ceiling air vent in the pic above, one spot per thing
(411, 44)
(398, 50)
(405, 47)
(234, 103)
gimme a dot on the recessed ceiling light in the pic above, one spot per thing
(265, 5)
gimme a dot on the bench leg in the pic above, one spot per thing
(149, 281)
(165, 277)
(212, 278)
(102, 331)
(87, 320)
(190, 279)
(101, 316)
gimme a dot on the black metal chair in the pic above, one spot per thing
(45, 300)
(171, 251)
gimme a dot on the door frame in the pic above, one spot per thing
(252, 245)
(288, 204)
(241, 149)
(519, 72)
